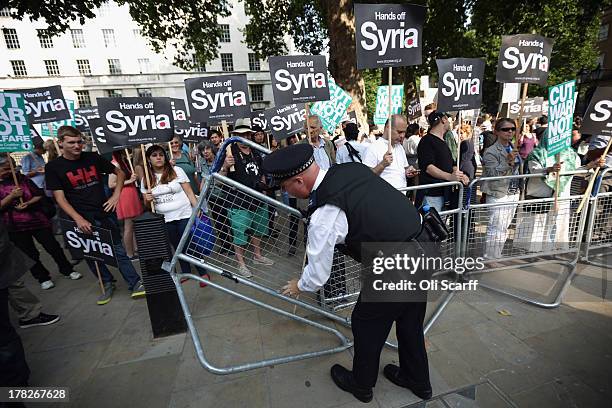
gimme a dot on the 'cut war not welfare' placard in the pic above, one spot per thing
(382, 102)
(15, 133)
(331, 112)
(561, 103)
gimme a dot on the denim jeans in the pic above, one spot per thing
(124, 264)
(436, 202)
(175, 230)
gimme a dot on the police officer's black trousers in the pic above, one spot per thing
(371, 323)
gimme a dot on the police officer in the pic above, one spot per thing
(350, 205)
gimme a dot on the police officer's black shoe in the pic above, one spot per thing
(345, 381)
(393, 374)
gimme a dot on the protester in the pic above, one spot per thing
(324, 152)
(78, 189)
(541, 227)
(345, 194)
(351, 151)
(207, 159)
(392, 167)
(246, 214)
(182, 160)
(467, 158)
(527, 142)
(486, 123)
(501, 159)
(49, 147)
(33, 165)
(603, 220)
(25, 221)
(542, 126)
(129, 205)
(216, 139)
(168, 189)
(259, 137)
(411, 144)
(436, 161)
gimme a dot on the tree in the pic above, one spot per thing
(453, 28)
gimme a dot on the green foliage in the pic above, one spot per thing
(371, 78)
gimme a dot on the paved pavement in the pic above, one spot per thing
(516, 353)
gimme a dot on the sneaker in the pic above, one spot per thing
(42, 319)
(263, 261)
(47, 285)
(104, 298)
(138, 291)
(74, 275)
(244, 271)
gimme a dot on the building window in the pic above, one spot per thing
(19, 68)
(114, 93)
(83, 99)
(52, 68)
(196, 64)
(227, 62)
(11, 39)
(84, 67)
(105, 9)
(78, 40)
(256, 93)
(46, 41)
(603, 32)
(144, 92)
(114, 67)
(225, 33)
(5, 12)
(254, 64)
(109, 38)
(145, 65)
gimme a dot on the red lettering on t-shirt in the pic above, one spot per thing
(83, 176)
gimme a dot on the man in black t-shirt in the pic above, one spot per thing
(436, 161)
(248, 215)
(77, 184)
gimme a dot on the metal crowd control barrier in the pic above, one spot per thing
(279, 232)
(514, 234)
(599, 226)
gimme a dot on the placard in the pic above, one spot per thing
(524, 58)
(284, 121)
(598, 117)
(97, 246)
(15, 133)
(414, 109)
(134, 120)
(511, 92)
(213, 99)
(561, 104)
(179, 114)
(331, 112)
(45, 104)
(533, 108)
(82, 116)
(258, 118)
(389, 35)
(195, 132)
(47, 133)
(382, 102)
(299, 79)
(96, 128)
(460, 83)
(350, 117)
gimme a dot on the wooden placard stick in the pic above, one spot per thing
(129, 159)
(557, 182)
(459, 140)
(100, 278)
(10, 160)
(57, 149)
(587, 192)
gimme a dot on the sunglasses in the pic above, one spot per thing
(510, 129)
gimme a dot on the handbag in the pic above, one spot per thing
(203, 238)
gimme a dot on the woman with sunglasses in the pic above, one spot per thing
(171, 194)
(182, 160)
(500, 159)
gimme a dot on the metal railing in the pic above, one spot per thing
(598, 242)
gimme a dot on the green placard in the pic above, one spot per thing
(14, 127)
(46, 133)
(331, 112)
(561, 104)
(382, 102)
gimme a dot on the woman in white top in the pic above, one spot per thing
(171, 194)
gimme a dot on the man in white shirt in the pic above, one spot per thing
(392, 167)
(351, 151)
(341, 203)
